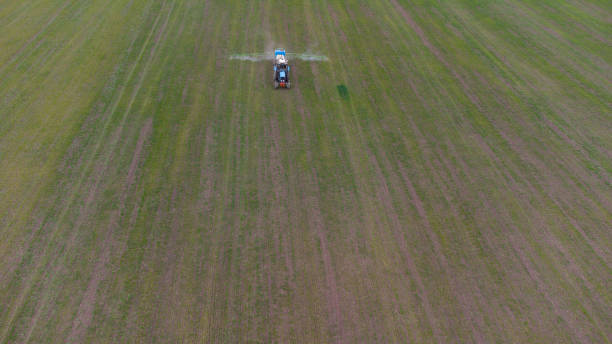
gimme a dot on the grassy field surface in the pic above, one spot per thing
(445, 176)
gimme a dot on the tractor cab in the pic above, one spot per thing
(282, 76)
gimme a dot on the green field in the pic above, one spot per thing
(445, 176)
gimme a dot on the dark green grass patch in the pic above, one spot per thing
(343, 91)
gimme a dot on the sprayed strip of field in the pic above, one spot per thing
(439, 172)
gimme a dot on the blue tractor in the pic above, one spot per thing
(281, 69)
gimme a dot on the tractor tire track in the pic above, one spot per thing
(216, 305)
(438, 54)
(384, 196)
(21, 50)
(280, 216)
(535, 276)
(84, 315)
(470, 95)
(315, 221)
(473, 315)
(98, 173)
(88, 124)
(550, 239)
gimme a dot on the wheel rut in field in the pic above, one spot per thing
(82, 321)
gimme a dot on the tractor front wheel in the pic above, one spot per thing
(275, 84)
